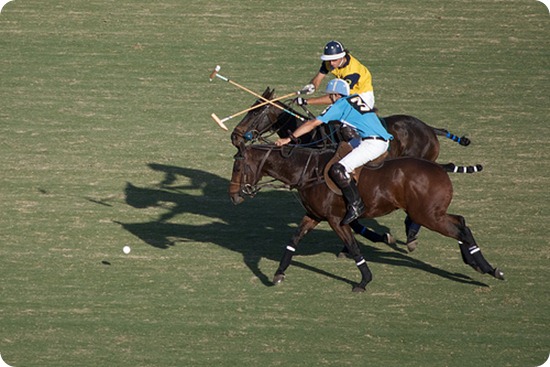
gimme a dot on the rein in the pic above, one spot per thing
(272, 120)
(301, 183)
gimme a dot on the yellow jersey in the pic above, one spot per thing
(353, 72)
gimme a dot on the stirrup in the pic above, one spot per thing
(354, 212)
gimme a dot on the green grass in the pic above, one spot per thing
(107, 141)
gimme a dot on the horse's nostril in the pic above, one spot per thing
(236, 199)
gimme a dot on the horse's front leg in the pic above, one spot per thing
(346, 235)
(306, 225)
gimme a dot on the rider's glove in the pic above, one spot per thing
(308, 89)
(300, 101)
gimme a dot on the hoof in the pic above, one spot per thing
(344, 254)
(497, 273)
(388, 239)
(358, 289)
(278, 279)
(411, 246)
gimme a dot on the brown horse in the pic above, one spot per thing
(412, 138)
(420, 187)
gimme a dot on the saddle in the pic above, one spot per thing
(343, 149)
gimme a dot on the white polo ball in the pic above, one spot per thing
(126, 249)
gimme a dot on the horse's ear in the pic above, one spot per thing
(268, 93)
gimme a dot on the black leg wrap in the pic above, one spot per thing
(483, 264)
(285, 260)
(365, 232)
(472, 256)
(411, 229)
(366, 275)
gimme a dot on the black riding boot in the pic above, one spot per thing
(356, 208)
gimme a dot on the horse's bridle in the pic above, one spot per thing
(252, 189)
(247, 188)
(241, 134)
(258, 134)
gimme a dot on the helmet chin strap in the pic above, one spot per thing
(334, 97)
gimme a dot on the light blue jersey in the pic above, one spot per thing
(353, 112)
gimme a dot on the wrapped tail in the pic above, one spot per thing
(451, 167)
(460, 140)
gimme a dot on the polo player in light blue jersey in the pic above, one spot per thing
(374, 141)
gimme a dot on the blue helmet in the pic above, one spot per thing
(334, 50)
(338, 86)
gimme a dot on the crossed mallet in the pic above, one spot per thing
(221, 122)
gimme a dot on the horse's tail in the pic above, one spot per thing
(451, 167)
(460, 140)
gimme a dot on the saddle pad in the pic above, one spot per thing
(343, 149)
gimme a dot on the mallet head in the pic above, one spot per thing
(219, 122)
(214, 72)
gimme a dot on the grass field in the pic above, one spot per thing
(106, 141)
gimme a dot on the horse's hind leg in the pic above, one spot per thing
(471, 253)
(306, 225)
(411, 229)
(372, 236)
(455, 226)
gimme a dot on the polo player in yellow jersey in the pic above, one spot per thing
(339, 62)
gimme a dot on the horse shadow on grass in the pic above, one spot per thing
(257, 229)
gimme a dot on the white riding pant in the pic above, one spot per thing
(368, 150)
(368, 98)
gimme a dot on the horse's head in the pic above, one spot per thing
(244, 176)
(256, 121)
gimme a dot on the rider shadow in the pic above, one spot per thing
(248, 229)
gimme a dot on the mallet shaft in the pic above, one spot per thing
(220, 122)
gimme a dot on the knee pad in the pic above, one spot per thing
(339, 175)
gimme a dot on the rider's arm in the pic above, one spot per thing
(304, 129)
(317, 79)
(322, 100)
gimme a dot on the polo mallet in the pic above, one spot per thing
(216, 74)
(221, 121)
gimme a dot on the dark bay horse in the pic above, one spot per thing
(420, 187)
(412, 138)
